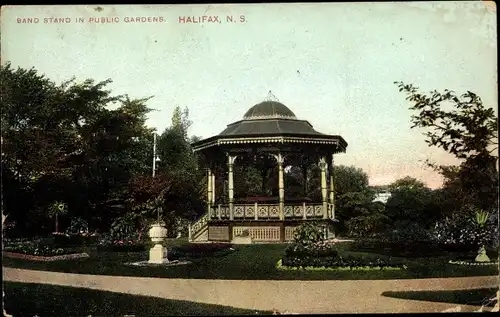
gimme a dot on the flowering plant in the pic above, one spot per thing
(467, 231)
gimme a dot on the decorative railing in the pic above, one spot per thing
(198, 226)
(267, 211)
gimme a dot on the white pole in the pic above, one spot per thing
(154, 154)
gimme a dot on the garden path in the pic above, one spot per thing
(354, 296)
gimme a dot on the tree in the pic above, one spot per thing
(411, 202)
(465, 128)
(61, 142)
(56, 209)
(354, 199)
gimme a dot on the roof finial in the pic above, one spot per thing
(271, 97)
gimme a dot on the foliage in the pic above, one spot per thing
(316, 250)
(371, 221)
(348, 262)
(481, 218)
(57, 208)
(62, 240)
(85, 152)
(78, 225)
(465, 128)
(308, 233)
(123, 245)
(463, 230)
(39, 249)
(411, 201)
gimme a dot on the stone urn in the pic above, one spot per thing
(157, 254)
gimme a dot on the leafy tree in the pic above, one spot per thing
(465, 128)
(56, 209)
(62, 141)
(411, 202)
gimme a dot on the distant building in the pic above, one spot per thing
(382, 197)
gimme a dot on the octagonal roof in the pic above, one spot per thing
(269, 110)
(270, 121)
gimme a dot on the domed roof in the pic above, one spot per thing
(269, 110)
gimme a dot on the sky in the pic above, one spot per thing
(332, 64)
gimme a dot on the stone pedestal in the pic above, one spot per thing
(158, 254)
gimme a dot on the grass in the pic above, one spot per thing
(249, 262)
(48, 300)
(475, 297)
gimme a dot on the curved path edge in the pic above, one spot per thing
(353, 296)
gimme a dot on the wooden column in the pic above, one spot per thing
(230, 163)
(213, 187)
(332, 188)
(281, 185)
(209, 191)
(322, 165)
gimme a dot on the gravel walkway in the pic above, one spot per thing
(356, 296)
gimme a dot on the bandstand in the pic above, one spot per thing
(271, 138)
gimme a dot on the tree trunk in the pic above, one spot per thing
(57, 223)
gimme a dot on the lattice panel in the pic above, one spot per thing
(298, 211)
(259, 233)
(289, 233)
(218, 233)
(274, 212)
(309, 211)
(213, 212)
(318, 210)
(288, 211)
(238, 211)
(249, 211)
(263, 211)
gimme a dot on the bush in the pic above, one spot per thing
(308, 233)
(38, 249)
(109, 245)
(340, 262)
(319, 249)
(463, 231)
(73, 240)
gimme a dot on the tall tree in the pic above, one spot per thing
(63, 143)
(465, 128)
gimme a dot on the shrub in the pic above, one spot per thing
(308, 233)
(62, 240)
(109, 245)
(349, 262)
(318, 249)
(38, 249)
(463, 231)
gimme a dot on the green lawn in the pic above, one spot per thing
(49, 300)
(476, 297)
(248, 262)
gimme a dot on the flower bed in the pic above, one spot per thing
(123, 246)
(64, 240)
(38, 249)
(310, 251)
(473, 263)
(71, 256)
(344, 266)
